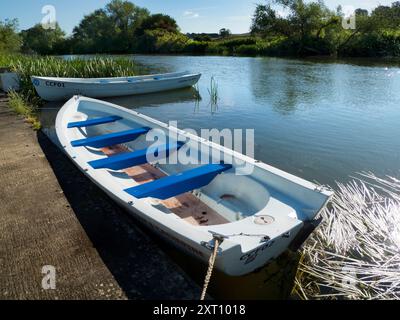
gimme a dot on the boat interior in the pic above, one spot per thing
(186, 205)
(202, 195)
(167, 191)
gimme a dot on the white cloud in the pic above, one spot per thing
(190, 14)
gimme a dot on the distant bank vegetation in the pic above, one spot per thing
(279, 28)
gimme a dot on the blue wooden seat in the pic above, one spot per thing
(174, 185)
(110, 139)
(131, 159)
(93, 122)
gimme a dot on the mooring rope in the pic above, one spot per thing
(211, 263)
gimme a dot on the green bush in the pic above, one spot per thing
(376, 44)
(194, 46)
(236, 42)
(248, 50)
(216, 48)
(161, 41)
(231, 46)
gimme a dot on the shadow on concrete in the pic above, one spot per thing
(139, 266)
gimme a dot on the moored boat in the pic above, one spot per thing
(257, 213)
(56, 89)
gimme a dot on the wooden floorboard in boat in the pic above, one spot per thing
(186, 206)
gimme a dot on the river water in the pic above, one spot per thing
(321, 121)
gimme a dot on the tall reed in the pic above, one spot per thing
(355, 254)
(213, 91)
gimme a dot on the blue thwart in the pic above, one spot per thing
(131, 159)
(180, 183)
(111, 139)
(93, 122)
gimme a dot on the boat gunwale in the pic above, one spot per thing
(256, 163)
(120, 80)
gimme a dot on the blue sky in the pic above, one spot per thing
(191, 15)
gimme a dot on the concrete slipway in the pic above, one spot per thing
(51, 215)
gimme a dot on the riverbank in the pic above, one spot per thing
(50, 216)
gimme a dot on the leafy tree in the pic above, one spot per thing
(94, 34)
(10, 41)
(42, 41)
(158, 21)
(126, 17)
(306, 23)
(267, 22)
(382, 11)
(224, 33)
(162, 41)
(387, 17)
(307, 27)
(111, 29)
(361, 12)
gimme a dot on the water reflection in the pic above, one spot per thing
(157, 99)
(287, 86)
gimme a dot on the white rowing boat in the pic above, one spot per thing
(56, 89)
(258, 213)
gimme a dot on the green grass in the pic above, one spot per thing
(22, 107)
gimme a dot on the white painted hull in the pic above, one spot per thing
(9, 81)
(57, 89)
(288, 200)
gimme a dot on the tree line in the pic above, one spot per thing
(312, 28)
(305, 28)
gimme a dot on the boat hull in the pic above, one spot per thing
(57, 89)
(231, 260)
(245, 247)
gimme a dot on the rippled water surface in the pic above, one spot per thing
(321, 121)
